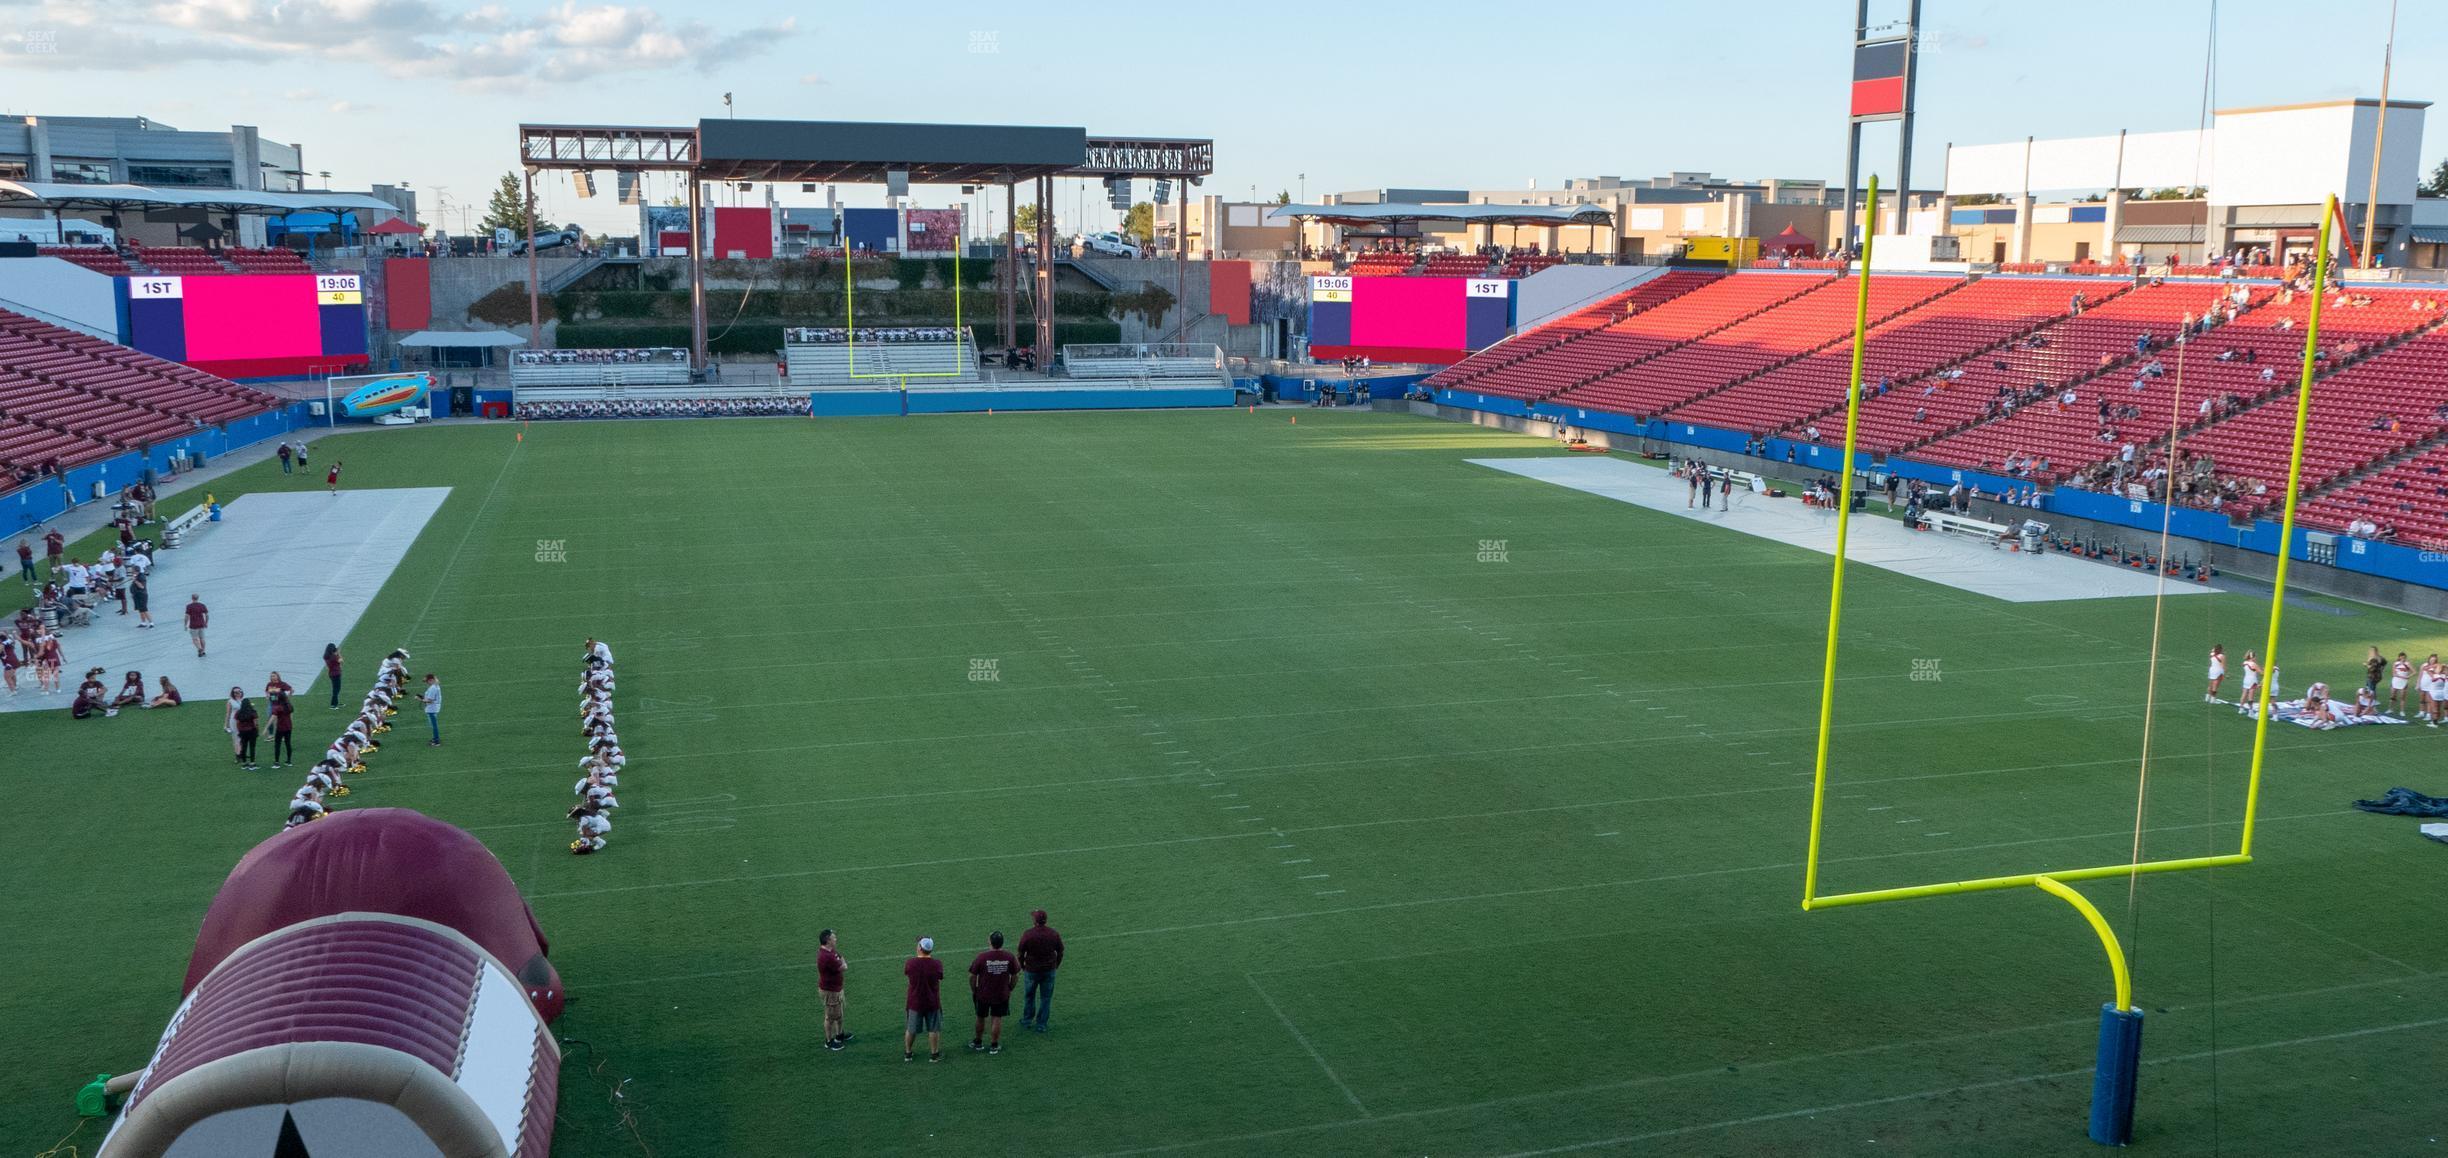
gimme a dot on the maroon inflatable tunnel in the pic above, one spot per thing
(378, 860)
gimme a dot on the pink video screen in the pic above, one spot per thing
(1409, 311)
(237, 318)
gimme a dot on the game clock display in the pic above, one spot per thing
(250, 326)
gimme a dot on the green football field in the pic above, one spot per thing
(1368, 834)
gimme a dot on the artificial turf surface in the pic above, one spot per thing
(1366, 836)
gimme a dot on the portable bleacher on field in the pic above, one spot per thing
(174, 534)
(1966, 525)
(584, 368)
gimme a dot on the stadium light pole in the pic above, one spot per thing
(535, 293)
(2371, 196)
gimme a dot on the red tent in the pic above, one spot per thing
(394, 225)
(1791, 243)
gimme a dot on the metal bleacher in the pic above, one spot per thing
(882, 357)
(1146, 363)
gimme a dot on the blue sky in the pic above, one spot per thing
(1354, 95)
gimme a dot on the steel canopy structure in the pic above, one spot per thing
(855, 152)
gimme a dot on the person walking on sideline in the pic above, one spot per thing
(284, 457)
(432, 696)
(197, 616)
(25, 559)
(990, 986)
(332, 480)
(924, 1008)
(55, 548)
(1041, 953)
(331, 670)
(829, 970)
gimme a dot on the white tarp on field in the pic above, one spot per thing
(1952, 560)
(283, 574)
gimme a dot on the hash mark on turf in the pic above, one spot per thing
(1880, 807)
(1303, 860)
(1606, 834)
(1328, 893)
(1317, 876)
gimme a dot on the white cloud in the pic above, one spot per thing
(483, 47)
(813, 79)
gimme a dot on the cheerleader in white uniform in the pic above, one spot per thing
(2250, 701)
(304, 808)
(593, 828)
(607, 750)
(2218, 672)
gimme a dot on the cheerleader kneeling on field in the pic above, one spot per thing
(304, 808)
(593, 828)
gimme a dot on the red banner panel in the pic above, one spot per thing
(407, 293)
(746, 231)
(1228, 290)
(1874, 98)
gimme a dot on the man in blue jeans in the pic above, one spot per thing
(433, 708)
(1041, 953)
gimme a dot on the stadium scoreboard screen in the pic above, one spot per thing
(1407, 319)
(250, 326)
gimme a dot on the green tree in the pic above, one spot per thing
(509, 208)
(1024, 220)
(2437, 186)
(1140, 223)
(2174, 193)
(1283, 197)
(1980, 199)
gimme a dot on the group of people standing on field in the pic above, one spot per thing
(2428, 682)
(992, 975)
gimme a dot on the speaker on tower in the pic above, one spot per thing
(627, 185)
(896, 182)
(585, 181)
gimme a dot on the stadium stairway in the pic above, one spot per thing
(1730, 355)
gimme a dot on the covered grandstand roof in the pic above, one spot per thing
(1393, 212)
(68, 196)
(852, 151)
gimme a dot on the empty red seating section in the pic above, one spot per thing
(1456, 265)
(1822, 313)
(1525, 264)
(98, 258)
(1380, 264)
(1943, 331)
(268, 261)
(179, 261)
(1505, 369)
(1613, 349)
(74, 398)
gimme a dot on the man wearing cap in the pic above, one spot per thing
(925, 1004)
(1041, 953)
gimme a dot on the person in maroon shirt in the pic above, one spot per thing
(282, 710)
(331, 669)
(197, 614)
(1041, 953)
(925, 1004)
(829, 970)
(990, 986)
(25, 560)
(55, 547)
